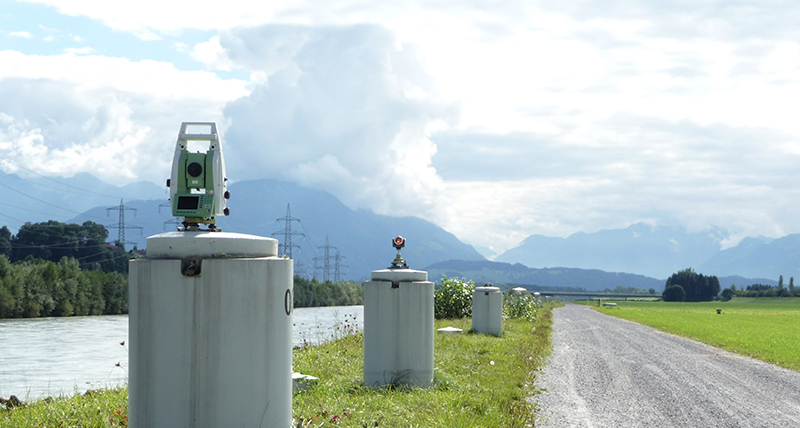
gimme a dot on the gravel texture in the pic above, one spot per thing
(607, 372)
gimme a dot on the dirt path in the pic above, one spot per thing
(607, 372)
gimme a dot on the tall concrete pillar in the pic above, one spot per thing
(210, 329)
(398, 328)
(487, 310)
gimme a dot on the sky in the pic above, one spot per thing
(495, 120)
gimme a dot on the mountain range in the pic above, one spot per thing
(659, 251)
(506, 275)
(362, 237)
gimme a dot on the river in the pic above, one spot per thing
(42, 357)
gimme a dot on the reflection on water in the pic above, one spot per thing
(62, 356)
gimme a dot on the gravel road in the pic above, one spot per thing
(607, 372)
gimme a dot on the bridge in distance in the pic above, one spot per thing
(593, 294)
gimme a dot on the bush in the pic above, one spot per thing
(727, 294)
(674, 293)
(519, 306)
(452, 298)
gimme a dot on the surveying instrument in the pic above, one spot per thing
(198, 188)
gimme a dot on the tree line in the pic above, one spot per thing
(53, 240)
(59, 269)
(763, 290)
(34, 288)
(313, 293)
(689, 286)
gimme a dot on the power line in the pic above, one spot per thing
(307, 235)
(121, 225)
(337, 266)
(83, 191)
(286, 246)
(44, 202)
(326, 260)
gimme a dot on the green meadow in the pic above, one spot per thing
(480, 380)
(764, 328)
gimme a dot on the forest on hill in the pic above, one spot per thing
(53, 240)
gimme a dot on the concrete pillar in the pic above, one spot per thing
(210, 329)
(519, 291)
(487, 310)
(398, 328)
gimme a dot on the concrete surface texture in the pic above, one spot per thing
(487, 310)
(212, 349)
(398, 328)
(607, 372)
(178, 245)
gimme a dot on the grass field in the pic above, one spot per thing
(481, 381)
(764, 328)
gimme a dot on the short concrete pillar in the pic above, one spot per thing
(487, 310)
(398, 328)
(210, 329)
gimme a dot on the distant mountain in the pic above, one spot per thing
(506, 273)
(486, 252)
(654, 251)
(741, 282)
(588, 279)
(41, 199)
(756, 258)
(363, 239)
(361, 236)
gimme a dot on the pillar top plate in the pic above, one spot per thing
(178, 245)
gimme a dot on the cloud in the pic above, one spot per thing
(79, 51)
(697, 175)
(20, 34)
(114, 118)
(570, 115)
(344, 109)
(213, 55)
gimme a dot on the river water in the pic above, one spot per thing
(43, 357)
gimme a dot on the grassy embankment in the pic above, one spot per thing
(481, 381)
(767, 329)
(103, 408)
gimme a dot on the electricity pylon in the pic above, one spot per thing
(285, 248)
(121, 225)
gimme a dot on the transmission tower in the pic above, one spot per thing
(121, 225)
(326, 261)
(337, 259)
(301, 270)
(286, 246)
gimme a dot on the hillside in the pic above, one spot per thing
(40, 199)
(759, 258)
(654, 251)
(363, 239)
(506, 273)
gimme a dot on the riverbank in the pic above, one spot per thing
(481, 381)
(69, 355)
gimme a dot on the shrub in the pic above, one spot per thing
(727, 294)
(674, 293)
(452, 298)
(519, 306)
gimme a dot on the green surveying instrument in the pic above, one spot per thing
(198, 188)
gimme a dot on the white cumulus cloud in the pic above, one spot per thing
(343, 109)
(112, 117)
